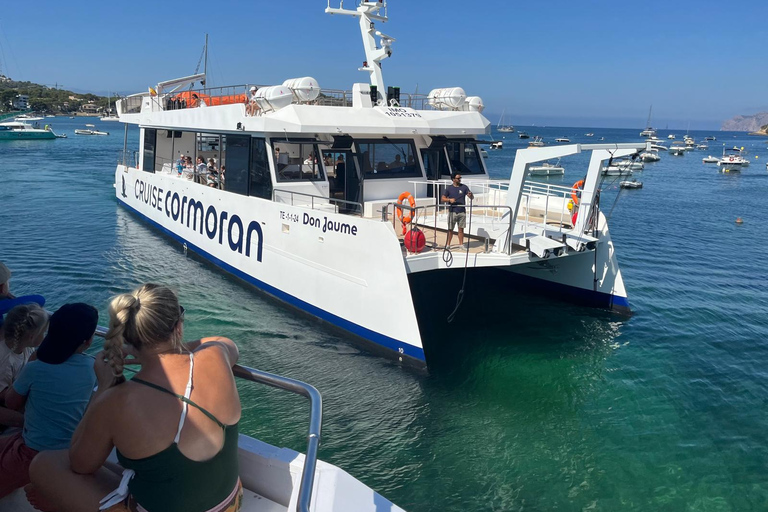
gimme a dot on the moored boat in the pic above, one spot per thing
(710, 159)
(331, 203)
(18, 130)
(546, 169)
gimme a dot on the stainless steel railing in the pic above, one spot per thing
(315, 419)
(358, 207)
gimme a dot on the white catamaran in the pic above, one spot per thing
(329, 200)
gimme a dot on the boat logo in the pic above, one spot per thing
(203, 220)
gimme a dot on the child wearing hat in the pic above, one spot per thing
(55, 389)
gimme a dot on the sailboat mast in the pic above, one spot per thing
(205, 65)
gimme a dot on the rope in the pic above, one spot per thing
(460, 295)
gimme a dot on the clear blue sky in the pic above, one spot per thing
(572, 63)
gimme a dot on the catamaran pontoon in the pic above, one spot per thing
(330, 200)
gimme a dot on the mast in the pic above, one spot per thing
(367, 12)
(205, 64)
(648, 123)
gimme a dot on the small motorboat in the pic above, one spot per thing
(562, 139)
(631, 184)
(537, 142)
(523, 135)
(711, 159)
(546, 169)
(710, 137)
(650, 156)
(659, 147)
(497, 144)
(612, 170)
(61, 135)
(677, 148)
(671, 136)
(589, 134)
(79, 131)
(703, 145)
(629, 164)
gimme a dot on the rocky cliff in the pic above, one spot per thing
(746, 123)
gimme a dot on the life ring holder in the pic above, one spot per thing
(405, 219)
(576, 190)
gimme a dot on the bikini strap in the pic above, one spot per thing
(184, 399)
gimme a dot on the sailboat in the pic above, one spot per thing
(501, 127)
(110, 112)
(648, 132)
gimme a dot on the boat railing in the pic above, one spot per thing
(131, 104)
(428, 216)
(315, 419)
(314, 201)
(128, 157)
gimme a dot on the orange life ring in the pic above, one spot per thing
(577, 187)
(405, 219)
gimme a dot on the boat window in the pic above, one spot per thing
(465, 157)
(172, 134)
(150, 142)
(238, 155)
(261, 181)
(297, 161)
(388, 158)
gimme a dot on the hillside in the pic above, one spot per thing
(46, 99)
(751, 123)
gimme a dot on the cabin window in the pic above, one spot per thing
(238, 165)
(150, 143)
(388, 158)
(261, 180)
(297, 161)
(465, 157)
(172, 134)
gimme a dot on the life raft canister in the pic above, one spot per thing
(576, 190)
(404, 219)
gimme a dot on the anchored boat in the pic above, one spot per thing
(21, 130)
(330, 200)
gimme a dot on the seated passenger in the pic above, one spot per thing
(310, 159)
(381, 166)
(396, 163)
(7, 300)
(175, 424)
(22, 331)
(55, 388)
(252, 107)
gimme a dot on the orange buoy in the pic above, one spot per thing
(739, 221)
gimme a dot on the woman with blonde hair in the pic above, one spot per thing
(174, 425)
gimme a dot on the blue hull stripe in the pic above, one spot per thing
(358, 330)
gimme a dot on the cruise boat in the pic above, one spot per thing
(18, 130)
(276, 479)
(330, 201)
(546, 169)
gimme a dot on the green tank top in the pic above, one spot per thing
(170, 482)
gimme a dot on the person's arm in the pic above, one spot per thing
(16, 394)
(227, 345)
(11, 418)
(15, 400)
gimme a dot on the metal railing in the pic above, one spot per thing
(417, 212)
(322, 200)
(128, 157)
(315, 419)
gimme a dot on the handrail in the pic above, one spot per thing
(315, 419)
(315, 196)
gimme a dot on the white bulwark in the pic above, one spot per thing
(299, 188)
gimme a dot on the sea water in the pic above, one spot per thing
(547, 406)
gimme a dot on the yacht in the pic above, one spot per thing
(18, 130)
(650, 156)
(677, 148)
(330, 201)
(25, 118)
(648, 132)
(546, 169)
(110, 117)
(506, 128)
(732, 160)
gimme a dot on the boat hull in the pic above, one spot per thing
(27, 135)
(347, 278)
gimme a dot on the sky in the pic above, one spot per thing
(557, 63)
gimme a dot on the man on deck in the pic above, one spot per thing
(455, 194)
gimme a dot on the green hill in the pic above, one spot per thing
(46, 99)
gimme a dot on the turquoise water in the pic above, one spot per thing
(551, 407)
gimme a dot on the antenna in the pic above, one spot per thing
(368, 12)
